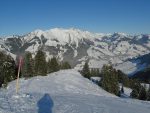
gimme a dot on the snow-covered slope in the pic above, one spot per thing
(60, 83)
(65, 91)
(81, 46)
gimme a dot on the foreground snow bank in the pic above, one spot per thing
(65, 91)
(59, 83)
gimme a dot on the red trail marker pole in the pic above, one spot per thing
(19, 68)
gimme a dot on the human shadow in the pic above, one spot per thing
(45, 104)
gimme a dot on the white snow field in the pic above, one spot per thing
(65, 91)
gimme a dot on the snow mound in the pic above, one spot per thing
(65, 91)
(58, 83)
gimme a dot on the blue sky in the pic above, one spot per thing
(105, 16)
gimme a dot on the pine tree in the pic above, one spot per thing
(85, 71)
(97, 73)
(2, 60)
(28, 65)
(114, 81)
(53, 65)
(136, 87)
(11, 68)
(110, 79)
(40, 66)
(65, 65)
(123, 78)
(92, 73)
(142, 93)
(148, 95)
(105, 78)
(49, 66)
(134, 93)
(7, 69)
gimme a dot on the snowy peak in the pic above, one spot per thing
(61, 35)
(37, 32)
(82, 46)
(65, 34)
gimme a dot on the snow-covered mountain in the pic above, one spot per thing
(77, 46)
(65, 91)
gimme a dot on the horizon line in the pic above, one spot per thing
(69, 28)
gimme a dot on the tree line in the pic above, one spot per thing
(88, 73)
(31, 66)
(111, 78)
(8, 69)
(139, 91)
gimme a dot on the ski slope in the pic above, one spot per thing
(65, 91)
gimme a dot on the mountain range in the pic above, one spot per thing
(128, 53)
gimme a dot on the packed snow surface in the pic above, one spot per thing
(65, 91)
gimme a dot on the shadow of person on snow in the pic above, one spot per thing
(45, 104)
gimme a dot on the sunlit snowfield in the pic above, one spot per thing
(65, 91)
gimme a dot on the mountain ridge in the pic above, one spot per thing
(82, 46)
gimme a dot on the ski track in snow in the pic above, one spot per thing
(65, 91)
